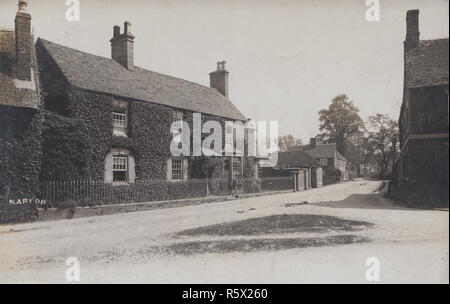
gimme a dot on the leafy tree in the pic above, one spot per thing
(340, 123)
(383, 140)
(288, 141)
(368, 153)
(354, 153)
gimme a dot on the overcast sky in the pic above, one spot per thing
(286, 58)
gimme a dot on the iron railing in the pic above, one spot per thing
(91, 193)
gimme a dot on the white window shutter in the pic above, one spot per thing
(109, 168)
(185, 169)
(169, 169)
(131, 170)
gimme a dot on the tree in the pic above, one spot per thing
(383, 137)
(288, 141)
(354, 153)
(340, 123)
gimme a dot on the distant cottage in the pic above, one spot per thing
(327, 155)
(306, 172)
(421, 173)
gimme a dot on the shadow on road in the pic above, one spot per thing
(365, 201)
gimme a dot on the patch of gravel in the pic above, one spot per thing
(139, 254)
(288, 205)
(243, 246)
(285, 223)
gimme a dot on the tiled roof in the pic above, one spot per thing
(323, 151)
(12, 91)
(296, 159)
(297, 148)
(427, 65)
(95, 73)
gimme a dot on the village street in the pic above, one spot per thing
(270, 239)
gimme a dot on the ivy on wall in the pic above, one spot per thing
(20, 151)
(150, 134)
(20, 156)
(148, 139)
(95, 111)
(66, 149)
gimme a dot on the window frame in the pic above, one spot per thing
(120, 129)
(177, 174)
(237, 160)
(323, 161)
(125, 163)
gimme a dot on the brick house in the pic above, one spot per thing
(327, 155)
(421, 173)
(125, 113)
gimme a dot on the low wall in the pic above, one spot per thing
(277, 183)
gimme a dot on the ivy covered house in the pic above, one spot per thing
(109, 120)
(128, 110)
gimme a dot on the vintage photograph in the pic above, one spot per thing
(224, 142)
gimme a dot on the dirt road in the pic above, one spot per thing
(271, 239)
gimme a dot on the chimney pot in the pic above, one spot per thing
(116, 31)
(221, 65)
(127, 28)
(122, 46)
(23, 5)
(23, 42)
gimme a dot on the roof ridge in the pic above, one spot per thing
(437, 39)
(138, 67)
(188, 81)
(101, 74)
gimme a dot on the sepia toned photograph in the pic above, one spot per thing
(224, 142)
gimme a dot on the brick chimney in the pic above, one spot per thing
(313, 142)
(24, 42)
(122, 46)
(412, 30)
(219, 79)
